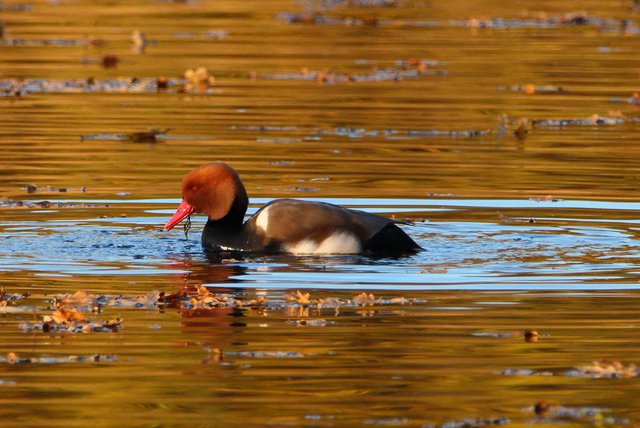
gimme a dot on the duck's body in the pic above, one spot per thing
(283, 225)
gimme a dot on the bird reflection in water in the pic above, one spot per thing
(215, 326)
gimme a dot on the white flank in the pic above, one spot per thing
(338, 243)
(263, 220)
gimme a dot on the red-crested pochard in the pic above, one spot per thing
(282, 225)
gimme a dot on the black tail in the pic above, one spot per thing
(391, 240)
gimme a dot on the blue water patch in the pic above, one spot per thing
(556, 252)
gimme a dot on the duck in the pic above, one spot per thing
(283, 225)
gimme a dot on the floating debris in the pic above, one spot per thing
(261, 128)
(528, 335)
(343, 131)
(281, 163)
(85, 302)
(537, 21)
(518, 127)
(8, 303)
(139, 41)
(364, 299)
(521, 126)
(266, 354)
(6, 297)
(278, 140)
(12, 203)
(303, 299)
(525, 372)
(302, 189)
(531, 89)
(47, 42)
(387, 421)
(198, 80)
(216, 34)
(299, 297)
(475, 422)
(361, 132)
(109, 61)
(506, 219)
(6, 310)
(558, 413)
(32, 188)
(64, 320)
(547, 198)
(521, 130)
(311, 322)
(151, 136)
(633, 99)
(432, 270)
(105, 136)
(401, 70)
(605, 369)
(592, 120)
(22, 87)
(12, 358)
(595, 370)
(69, 308)
(96, 42)
(311, 5)
(204, 299)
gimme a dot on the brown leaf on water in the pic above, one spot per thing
(531, 336)
(522, 129)
(202, 291)
(110, 61)
(300, 298)
(297, 311)
(364, 299)
(63, 315)
(79, 298)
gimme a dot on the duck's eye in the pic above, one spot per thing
(194, 189)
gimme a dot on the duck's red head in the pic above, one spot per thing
(214, 189)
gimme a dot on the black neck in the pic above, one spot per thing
(233, 220)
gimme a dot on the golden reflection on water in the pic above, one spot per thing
(439, 135)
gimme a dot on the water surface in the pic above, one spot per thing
(504, 135)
